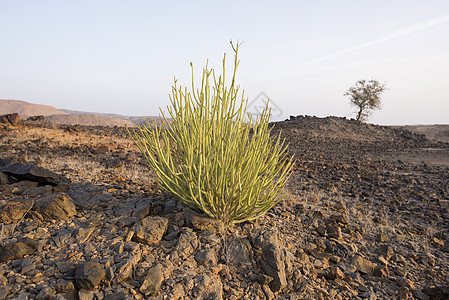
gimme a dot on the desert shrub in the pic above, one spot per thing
(212, 155)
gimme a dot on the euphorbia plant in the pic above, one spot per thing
(212, 155)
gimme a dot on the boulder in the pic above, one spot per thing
(33, 173)
(55, 207)
(10, 119)
(18, 249)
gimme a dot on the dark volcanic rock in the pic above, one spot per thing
(273, 264)
(89, 275)
(10, 119)
(33, 173)
(4, 178)
(150, 230)
(153, 280)
(55, 207)
(18, 249)
(14, 211)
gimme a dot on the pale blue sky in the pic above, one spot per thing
(121, 56)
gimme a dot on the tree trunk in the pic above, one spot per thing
(359, 114)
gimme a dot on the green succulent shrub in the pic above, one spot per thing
(212, 155)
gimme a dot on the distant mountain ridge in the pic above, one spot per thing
(66, 116)
(26, 109)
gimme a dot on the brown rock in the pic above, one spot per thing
(239, 251)
(14, 211)
(153, 281)
(4, 178)
(363, 265)
(386, 251)
(334, 273)
(89, 275)
(206, 257)
(334, 231)
(18, 250)
(10, 119)
(55, 207)
(33, 173)
(150, 230)
(381, 271)
(187, 244)
(273, 263)
(201, 222)
(208, 287)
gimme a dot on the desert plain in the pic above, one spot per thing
(365, 217)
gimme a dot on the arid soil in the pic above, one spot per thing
(365, 217)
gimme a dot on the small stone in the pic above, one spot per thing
(273, 263)
(4, 178)
(177, 292)
(153, 281)
(404, 293)
(208, 287)
(12, 212)
(438, 243)
(363, 265)
(402, 281)
(124, 269)
(45, 293)
(427, 259)
(268, 293)
(206, 257)
(89, 275)
(3, 280)
(4, 291)
(85, 295)
(150, 230)
(83, 234)
(64, 286)
(334, 231)
(381, 271)
(382, 237)
(239, 251)
(187, 244)
(334, 273)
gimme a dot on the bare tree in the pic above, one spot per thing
(365, 95)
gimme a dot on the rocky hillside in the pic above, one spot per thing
(365, 217)
(434, 132)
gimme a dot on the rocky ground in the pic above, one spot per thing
(365, 217)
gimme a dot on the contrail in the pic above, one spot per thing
(410, 30)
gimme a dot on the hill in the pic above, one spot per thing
(434, 132)
(70, 117)
(26, 109)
